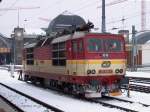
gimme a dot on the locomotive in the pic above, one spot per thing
(80, 62)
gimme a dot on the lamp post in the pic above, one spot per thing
(134, 50)
(12, 56)
(13, 48)
(103, 17)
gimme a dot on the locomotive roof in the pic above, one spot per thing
(64, 38)
(79, 35)
(70, 36)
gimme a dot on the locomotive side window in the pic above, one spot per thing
(75, 46)
(55, 46)
(29, 56)
(59, 54)
(94, 45)
(80, 46)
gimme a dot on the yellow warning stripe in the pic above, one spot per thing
(47, 62)
(95, 61)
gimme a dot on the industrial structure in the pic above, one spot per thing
(5, 50)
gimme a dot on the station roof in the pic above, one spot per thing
(64, 21)
(5, 42)
(142, 37)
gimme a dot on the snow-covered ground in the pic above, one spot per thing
(58, 100)
(138, 74)
(24, 103)
(66, 103)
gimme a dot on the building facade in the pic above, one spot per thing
(5, 50)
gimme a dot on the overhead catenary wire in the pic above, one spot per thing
(85, 6)
(128, 18)
(54, 4)
(108, 4)
(12, 5)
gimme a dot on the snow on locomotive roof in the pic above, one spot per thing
(67, 37)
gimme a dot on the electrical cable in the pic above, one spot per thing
(12, 5)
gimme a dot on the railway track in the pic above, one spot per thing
(47, 106)
(123, 100)
(113, 102)
(99, 101)
(139, 88)
(13, 106)
(144, 81)
(105, 103)
(138, 84)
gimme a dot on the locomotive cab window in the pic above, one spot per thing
(59, 54)
(94, 45)
(113, 45)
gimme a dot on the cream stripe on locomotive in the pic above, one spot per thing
(96, 67)
(81, 67)
(115, 61)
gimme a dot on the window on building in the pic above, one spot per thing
(59, 54)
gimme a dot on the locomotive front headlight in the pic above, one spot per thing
(105, 55)
(93, 71)
(89, 71)
(119, 71)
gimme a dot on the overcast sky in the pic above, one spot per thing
(88, 9)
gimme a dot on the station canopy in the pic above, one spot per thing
(64, 21)
(142, 37)
(4, 41)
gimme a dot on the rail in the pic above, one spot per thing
(33, 99)
(15, 107)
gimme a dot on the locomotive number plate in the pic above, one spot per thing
(105, 71)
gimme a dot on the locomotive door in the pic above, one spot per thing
(77, 55)
(74, 57)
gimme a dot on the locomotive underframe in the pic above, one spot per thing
(89, 86)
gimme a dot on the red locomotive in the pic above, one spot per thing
(91, 64)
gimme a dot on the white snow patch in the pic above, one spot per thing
(63, 102)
